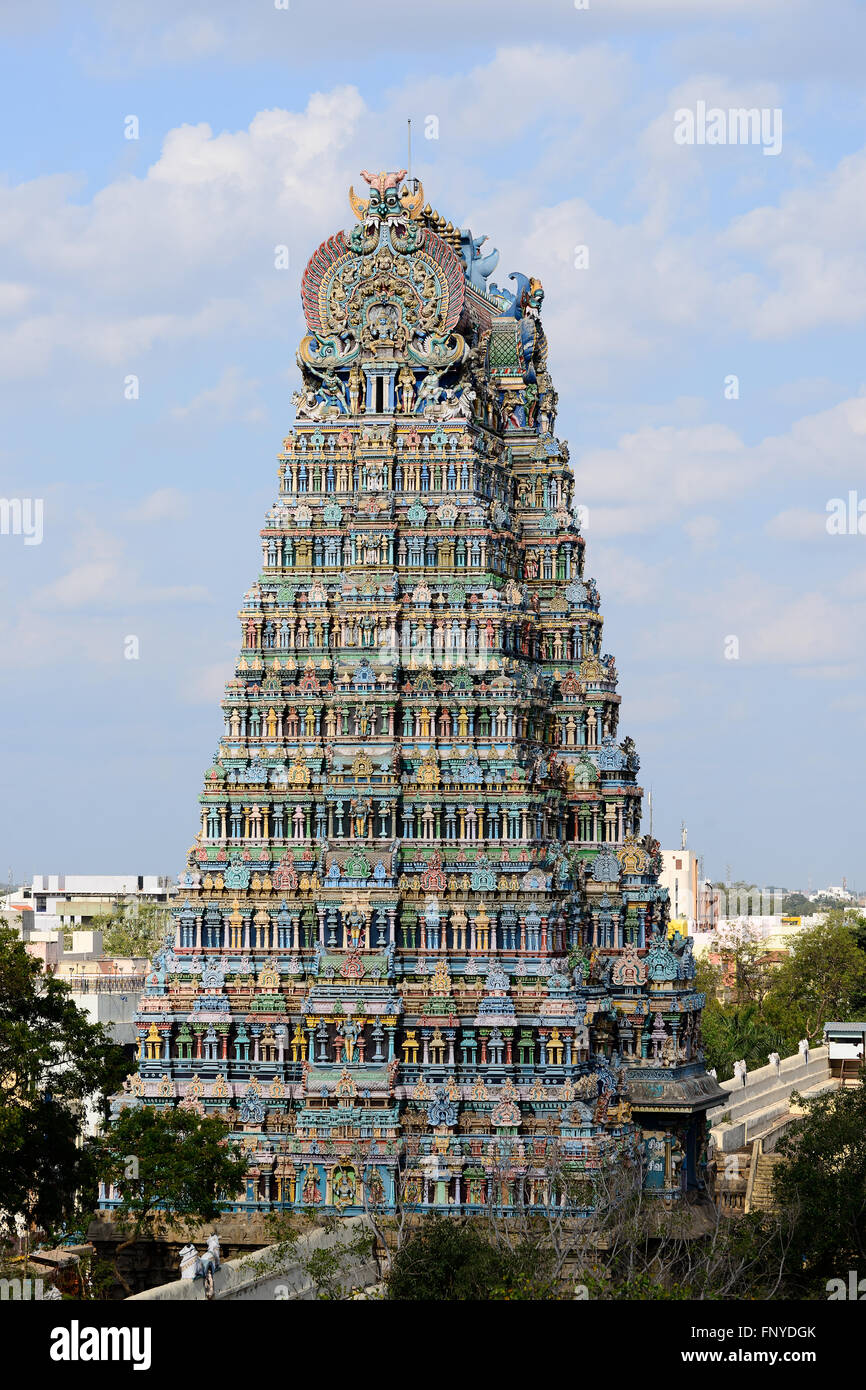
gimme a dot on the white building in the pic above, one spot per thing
(692, 899)
(107, 988)
(73, 900)
(774, 931)
(838, 891)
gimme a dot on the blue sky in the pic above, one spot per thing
(155, 258)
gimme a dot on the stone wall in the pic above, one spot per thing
(276, 1273)
(152, 1262)
(752, 1110)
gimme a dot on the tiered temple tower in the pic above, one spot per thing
(420, 944)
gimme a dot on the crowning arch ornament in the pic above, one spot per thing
(419, 920)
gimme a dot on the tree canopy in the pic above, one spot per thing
(134, 929)
(821, 1183)
(822, 979)
(448, 1260)
(757, 1004)
(798, 905)
(732, 1032)
(168, 1165)
(53, 1061)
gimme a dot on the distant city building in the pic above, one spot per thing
(774, 931)
(105, 987)
(839, 892)
(693, 899)
(70, 900)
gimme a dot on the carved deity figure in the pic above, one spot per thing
(406, 383)
(429, 392)
(311, 1191)
(350, 1032)
(356, 378)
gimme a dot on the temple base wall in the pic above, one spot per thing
(275, 1272)
(753, 1108)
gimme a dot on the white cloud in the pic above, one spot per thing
(109, 585)
(817, 390)
(702, 531)
(239, 34)
(624, 577)
(656, 474)
(207, 686)
(657, 698)
(674, 178)
(101, 577)
(776, 623)
(166, 504)
(233, 398)
(194, 37)
(806, 630)
(30, 347)
(853, 584)
(826, 673)
(14, 298)
(81, 585)
(186, 252)
(811, 249)
(797, 524)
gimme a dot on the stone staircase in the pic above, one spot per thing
(759, 1192)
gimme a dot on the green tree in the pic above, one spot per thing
(446, 1259)
(821, 1183)
(798, 905)
(169, 1166)
(854, 920)
(708, 977)
(747, 967)
(823, 978)
(754, 971)
(328, 1267)
(53, 1061)
(135, 929)
(731, 1032)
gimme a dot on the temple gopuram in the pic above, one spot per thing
(420, 955)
